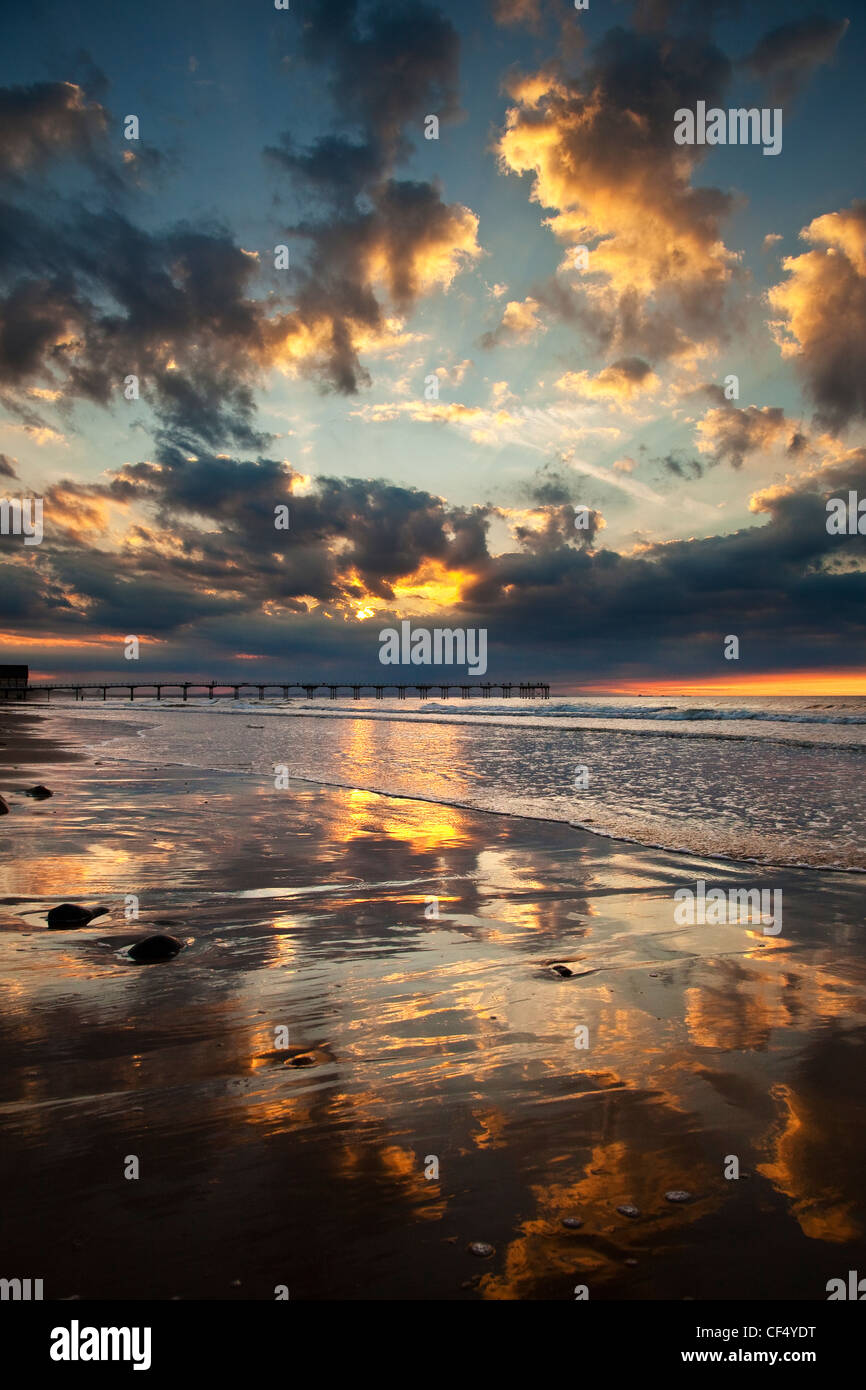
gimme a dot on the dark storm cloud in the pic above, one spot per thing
(207, 543)
(6, 468)
(82, 312)
(390, 66)
(40, 122)
(784, 587)
(178, 308)
(557, 529)
(786, 56)
(206, 571)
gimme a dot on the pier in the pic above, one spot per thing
(187, 690)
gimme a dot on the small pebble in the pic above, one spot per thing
(627, 1210)
(677, 1194)
(573, 1223)
(631, 1263)
(562, 970)
(481, 1249)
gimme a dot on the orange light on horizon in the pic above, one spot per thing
(790, 683)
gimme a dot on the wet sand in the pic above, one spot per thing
(420, 1037)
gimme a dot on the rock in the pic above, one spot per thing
(154, 948)
(573, 1223)
(562, 970)
(481, 1249)
(632, 1264)
(630, 1211)
(39, 793)
(302, 1060)
(99, 912)
(677, 1194)
(68, 915)
(4, 809)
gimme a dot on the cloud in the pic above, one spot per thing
(535, 427)
(786, 57)
(732, 433)
(628, 377)
(370, 236)
(600, 152)
(525, 12)
(44, 121)
(201, 568)
(6, 468)
(681, 468)
(519, 324)
(455, 374)
(185, 309)
(82, 312)
(821, 309)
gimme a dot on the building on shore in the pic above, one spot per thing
(13, 682)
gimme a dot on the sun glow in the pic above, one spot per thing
(790, 683)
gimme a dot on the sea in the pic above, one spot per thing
(774, 780)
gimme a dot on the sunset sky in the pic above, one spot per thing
(564, 379)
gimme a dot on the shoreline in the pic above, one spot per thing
(767, 863)
(410, 1035)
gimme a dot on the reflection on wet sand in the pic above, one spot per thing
(410, 1038)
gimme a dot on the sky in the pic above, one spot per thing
(549, 374)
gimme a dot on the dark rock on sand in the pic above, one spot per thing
(628, 1210)
(562, 970)
(39, 793)
(154, 948)
(4, 809)
(678, 1194)
(481, 1249)
(302, 1060)
(68, 915)
(573, 1223)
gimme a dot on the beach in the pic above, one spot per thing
(364, 1060)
